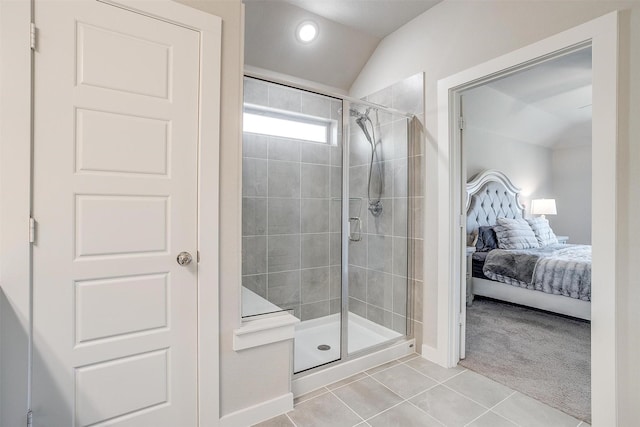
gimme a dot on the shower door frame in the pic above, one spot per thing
(344, 234)
(346, 196)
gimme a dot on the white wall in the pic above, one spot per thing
(14, 210)
(495, 138)
(629, 227)
(572, 191)
(256, 375)
(527, 165)
(456, 35)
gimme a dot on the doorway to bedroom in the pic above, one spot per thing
(601, 35)
(526, 158)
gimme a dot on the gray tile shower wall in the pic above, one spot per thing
(386, 265)
(291, 208)
(292, 193)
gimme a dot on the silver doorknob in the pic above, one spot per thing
(184, 258)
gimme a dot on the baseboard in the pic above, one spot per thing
(258, 413)
(432, 354)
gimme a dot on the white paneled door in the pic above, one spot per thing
(115, 200)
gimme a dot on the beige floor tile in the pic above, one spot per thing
(279, 421)
(461, 400)
(404, 381)
(367, 397)
(408, 357)
(404, 415)
(382, 367)
(491, 419)
(310, 395)
(528, 412)
(432, 370)
(447, 406)
(323, 411)
(478, 388)
(346, 381)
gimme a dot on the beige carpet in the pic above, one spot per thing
(545, 356)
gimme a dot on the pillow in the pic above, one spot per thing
(543, 231)
(487, 239)
(515, 234)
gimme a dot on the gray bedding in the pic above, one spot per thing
(555, 269)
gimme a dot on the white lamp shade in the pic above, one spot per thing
(543, 207)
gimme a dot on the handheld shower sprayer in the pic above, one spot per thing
(361, 122)
(362, 119)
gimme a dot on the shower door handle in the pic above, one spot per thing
(355, 236)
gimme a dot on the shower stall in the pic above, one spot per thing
(326, 230)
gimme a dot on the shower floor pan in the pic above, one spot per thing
(325, 331)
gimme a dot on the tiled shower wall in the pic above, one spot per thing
(291, 208)
(386, 264)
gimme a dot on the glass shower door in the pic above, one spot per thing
(324, 219)
(377, 226)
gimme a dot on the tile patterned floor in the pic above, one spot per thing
(412, 392)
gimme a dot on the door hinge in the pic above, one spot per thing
(197, 256)
(32, 230)
(461, 221)
(30, 418)
(33, 38)
(461, 122)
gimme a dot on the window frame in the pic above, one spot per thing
(330, 125)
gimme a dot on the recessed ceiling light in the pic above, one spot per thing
(307, 31)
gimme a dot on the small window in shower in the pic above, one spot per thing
(284, 124)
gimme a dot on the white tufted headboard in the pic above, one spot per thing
(491, 195)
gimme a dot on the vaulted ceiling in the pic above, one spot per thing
(349, 31)
(548, 104)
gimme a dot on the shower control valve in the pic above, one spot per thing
(375, 208)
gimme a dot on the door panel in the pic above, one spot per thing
(115, 198)
(121, 225)
(142, 383)
(120, 143)
(140, 301)
(101, 51)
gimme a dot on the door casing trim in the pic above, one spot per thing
(602, 34)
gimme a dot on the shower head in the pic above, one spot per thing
(361, 122)
(355, 113)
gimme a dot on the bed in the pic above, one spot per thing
(555, 277)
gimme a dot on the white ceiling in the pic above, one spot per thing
(349, 32)
(378, 18)
(548, 104)
(560, 86)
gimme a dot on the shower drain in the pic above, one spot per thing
(324, 347)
